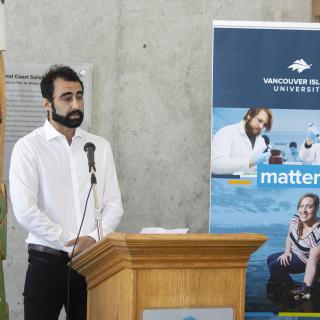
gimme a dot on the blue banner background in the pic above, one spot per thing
(243, 57)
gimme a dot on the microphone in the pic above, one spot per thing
(89, 148)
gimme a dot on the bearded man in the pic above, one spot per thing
(239, 147)
(49, 185)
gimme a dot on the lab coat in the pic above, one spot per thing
(231, 150)
(310, 155)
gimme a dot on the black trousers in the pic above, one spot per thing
(45, 291)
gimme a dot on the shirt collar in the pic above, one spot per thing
(51, 133)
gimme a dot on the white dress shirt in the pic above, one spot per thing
(231, 149)
(49, 185)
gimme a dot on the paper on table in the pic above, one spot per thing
(156, 230)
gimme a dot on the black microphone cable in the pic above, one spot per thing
(74, 246)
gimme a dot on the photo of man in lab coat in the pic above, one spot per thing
(239, 147)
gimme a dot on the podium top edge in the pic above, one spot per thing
(147, 250)
(187, 237)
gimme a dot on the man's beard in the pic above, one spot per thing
(249, 130)
(67, 120)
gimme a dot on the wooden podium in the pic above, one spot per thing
(128, 273)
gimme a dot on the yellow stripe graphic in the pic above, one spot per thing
(299, 314)
(239, 182)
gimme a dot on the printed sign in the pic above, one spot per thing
(265, 158)
(189, 314)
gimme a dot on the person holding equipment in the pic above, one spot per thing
(50, 193)
(310, 149)
(239, 147)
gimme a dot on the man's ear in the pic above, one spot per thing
(46, 104)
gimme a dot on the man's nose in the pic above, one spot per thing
(76, 104)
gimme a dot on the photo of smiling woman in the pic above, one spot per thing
(301, 255)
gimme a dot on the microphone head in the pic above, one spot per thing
(89, 148)
(89, 145)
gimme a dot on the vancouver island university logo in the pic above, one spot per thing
(294, 84)
(300, 65)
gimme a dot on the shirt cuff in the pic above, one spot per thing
(94, 234)
(66, 236)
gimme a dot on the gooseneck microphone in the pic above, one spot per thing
(89, 148)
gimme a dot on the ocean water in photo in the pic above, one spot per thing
(246, 208)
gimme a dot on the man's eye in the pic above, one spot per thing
(67, 99)
(79, 97)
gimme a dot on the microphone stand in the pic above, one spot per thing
(97, 211)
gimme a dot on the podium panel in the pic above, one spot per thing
(130, 273)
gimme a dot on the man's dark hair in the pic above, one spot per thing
(293, 144)
(57, 71)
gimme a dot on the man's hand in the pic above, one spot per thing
(313, 134)
(259, 157)
(83, 243)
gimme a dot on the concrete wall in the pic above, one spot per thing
(151, 96)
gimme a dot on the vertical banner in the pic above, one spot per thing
(4, 308)
(265, 158)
